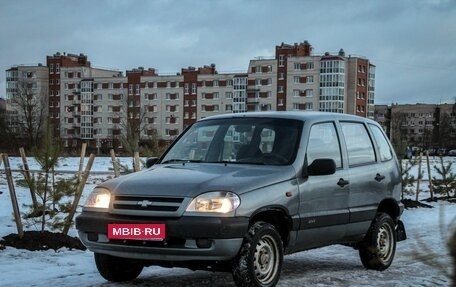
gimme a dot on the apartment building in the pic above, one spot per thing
(422, 125)
(99, 106)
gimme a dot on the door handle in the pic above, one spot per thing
(379, 177)
(342, 182)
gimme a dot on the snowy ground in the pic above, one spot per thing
(427, 231)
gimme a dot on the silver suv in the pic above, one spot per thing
(236, 192)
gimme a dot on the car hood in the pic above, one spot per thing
(192, 179)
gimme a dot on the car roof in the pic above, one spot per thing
(296, 115)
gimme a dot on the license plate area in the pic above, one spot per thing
(153, 231)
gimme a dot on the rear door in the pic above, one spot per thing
(367, 178)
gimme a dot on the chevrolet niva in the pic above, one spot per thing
(237, 192)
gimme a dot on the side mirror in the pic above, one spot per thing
(151, 161)
(322, 166)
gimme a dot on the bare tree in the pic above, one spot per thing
(8, 138)
(399, 137)
(31, 105)
(131, 119)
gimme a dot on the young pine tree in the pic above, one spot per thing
(48, 157)
(445, 184)
(408, 180)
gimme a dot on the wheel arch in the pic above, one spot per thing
(276, 216)
(391, 207)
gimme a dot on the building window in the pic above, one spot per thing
(309, 93)
(168, 84)
(281, 76)
(193, 88)
(228, 95)
(280, 103)
(296, 79)
(297, 66)
(229, 83)
(310, 79)
(216, 83)
(281, 89)
(186, 88)
(296, 93)
(216, 96)
(130, 89)
(310, 65)
(281, 60)
(57, 68)
(269, 69)
(257, 82)
(269, 81)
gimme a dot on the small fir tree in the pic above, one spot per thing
(408, 180)
(445, 184)
(56, 205)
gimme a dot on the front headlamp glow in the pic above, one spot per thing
(98, 198)
(216, 201)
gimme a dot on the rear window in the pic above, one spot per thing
(382, 144)
(359, 145)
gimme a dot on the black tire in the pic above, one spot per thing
(259, 261)
(379, 245)
(117, 269)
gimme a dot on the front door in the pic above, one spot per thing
(323, 206)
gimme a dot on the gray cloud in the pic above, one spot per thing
(412, 43)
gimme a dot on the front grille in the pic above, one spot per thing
(147, 205)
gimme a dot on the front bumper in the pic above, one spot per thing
(187, 238)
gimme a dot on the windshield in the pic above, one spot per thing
(243, 140)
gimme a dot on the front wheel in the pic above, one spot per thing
(379, 245)
(117, 269)
(259, 261)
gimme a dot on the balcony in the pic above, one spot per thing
(253, 100)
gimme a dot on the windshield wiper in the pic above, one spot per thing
(176, 160)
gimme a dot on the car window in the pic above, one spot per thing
(359, 145)
(246, 140)
(323, 143)
(382, 143)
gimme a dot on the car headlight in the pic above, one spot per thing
(98, 198)
(216, 201)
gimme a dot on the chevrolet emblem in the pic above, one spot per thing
(145, 203)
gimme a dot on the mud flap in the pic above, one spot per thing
(400, 231)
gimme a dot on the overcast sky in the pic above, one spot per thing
(411, 42)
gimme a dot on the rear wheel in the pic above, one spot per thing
(259, 262)
(117, 269)
(379, 246)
